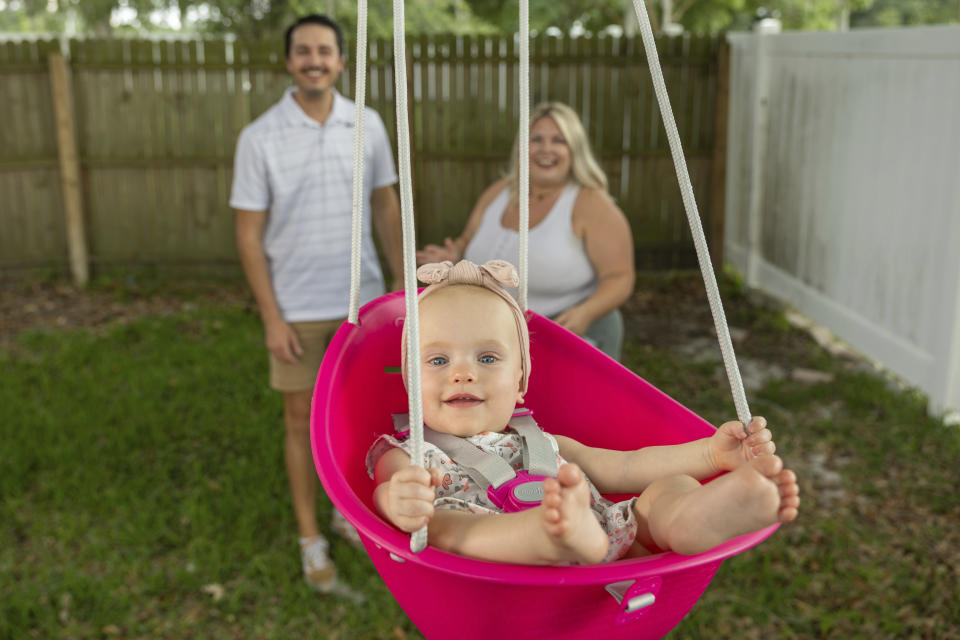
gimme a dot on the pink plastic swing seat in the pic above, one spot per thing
(575, 390)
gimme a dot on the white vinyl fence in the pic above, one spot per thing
(843, 189)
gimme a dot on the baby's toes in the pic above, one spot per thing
(787, 482)
(789, 511)
(552, 500)
(553, 521)
(569, 475)
(551, 491)
(789, 495)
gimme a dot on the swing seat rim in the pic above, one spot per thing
(381, 537)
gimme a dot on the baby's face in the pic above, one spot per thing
(470, 361)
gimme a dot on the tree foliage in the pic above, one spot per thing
(268, 18)
(712, 16)
(591, 14)
(892, 13)
(243, 18)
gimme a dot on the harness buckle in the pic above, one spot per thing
(522, 492)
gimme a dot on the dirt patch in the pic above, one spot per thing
(668, 311)
(43, 304)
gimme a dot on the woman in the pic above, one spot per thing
(581, 248)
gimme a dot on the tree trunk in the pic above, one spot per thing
(843, 22)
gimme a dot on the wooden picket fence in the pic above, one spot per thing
(154, 124)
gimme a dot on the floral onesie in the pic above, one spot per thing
(459, 492)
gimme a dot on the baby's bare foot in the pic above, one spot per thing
(754, 496)
(573, 532)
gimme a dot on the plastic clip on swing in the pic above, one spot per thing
(524, 491)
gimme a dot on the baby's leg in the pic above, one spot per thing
(561, 529)
(680, 514)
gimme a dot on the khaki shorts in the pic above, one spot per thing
(314, 339)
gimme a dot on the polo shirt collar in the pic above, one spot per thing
(341, 112)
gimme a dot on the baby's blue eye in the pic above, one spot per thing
(488, 359)
(437, 361)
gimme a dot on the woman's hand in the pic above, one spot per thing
(575, 319)
(730, 447)
(282, 341)
(435, 253)
(410, 497)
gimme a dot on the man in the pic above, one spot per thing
(292, 192)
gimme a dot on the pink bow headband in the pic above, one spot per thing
(493, 275)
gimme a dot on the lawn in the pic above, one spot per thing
(143, 492)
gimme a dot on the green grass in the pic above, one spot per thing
(143, 462)
(141, 465)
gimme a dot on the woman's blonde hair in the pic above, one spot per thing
(584, 168)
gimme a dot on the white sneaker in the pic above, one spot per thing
(318, 570)
(342, 527)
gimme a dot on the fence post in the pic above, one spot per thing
(946, 399)
(69, 169)
(761, 112)
(718, 164)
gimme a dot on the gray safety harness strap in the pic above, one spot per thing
(488, 469)
(484, 468)
(538, 456)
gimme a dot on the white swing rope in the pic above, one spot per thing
(693, 217)
(523, 150)
(418, 540)
(356, 222)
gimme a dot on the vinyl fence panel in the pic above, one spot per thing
(842, 189)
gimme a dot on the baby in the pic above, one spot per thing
(475, 362)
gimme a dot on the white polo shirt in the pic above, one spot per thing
(301, 173)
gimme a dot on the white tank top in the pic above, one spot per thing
(561, 274)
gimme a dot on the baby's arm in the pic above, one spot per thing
(633, 471)
(404, 493)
